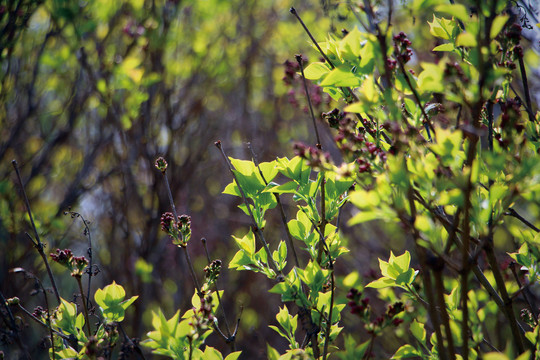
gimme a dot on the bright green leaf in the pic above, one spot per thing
(316, 70)
(497, 25)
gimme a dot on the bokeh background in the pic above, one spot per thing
(92, 92)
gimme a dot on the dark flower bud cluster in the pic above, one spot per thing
(333, 117)
(79, 264)
(354, 146)
(92, 347)
(392, 64)
(453, 72)
(513, 33)
(133, 30)
(161, 164)
(360, 306)
(528, 317)
(167, 222)
(63, 257)
(75, 264)
(291, 69)
(518, 52)
(316, 158)
(404, 52)
(393, 310)
(511, 114)
(297, 93)
(39, 312)
(211, 272)
(179, 231)
(202, 318)
(111, 332)
(509, 46)
(388, 319)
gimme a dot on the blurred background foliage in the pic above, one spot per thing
(92, 92)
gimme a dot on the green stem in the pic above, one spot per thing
(329, 320)
(85, 308)
(323, 219)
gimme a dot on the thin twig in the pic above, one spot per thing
(426, 122)
(37, 242)
(186, 253)
(527, 108)
(29, 275)
(508, 308)
(329, 320)
(31, 316)
(89, 270)
(439, 286)
(526, 87)
(280, 206)
(13, 325)
(514, 213)
(426, 277)
(292, 10)
(203, 240)
(525, 292)
(300, 63)
(258, 232)
(133, 344)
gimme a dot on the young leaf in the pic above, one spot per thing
(316, 70)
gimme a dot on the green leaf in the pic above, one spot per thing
(495, 356)
(234, 355)
(111, 302)
(382, 283)
(402, 261)
(362, 217)
(457, 10)
(232, 189)
(316, 70)
(245, 167)
(246, 243)
(441, 28)
(240, 260)
(431, 78)
(287, 188)
(67, 353)
(444, 47)
(273, 354)
(497, 25)
(251, 184)
(297, 229)
(466, 39)
(406, 351)
(418, 331)
(268, 170)
(211, 353)
(125, 304)
(351, 45)
(341, 77)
